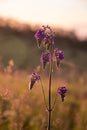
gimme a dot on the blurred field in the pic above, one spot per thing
(22, 109)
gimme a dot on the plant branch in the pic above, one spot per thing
(44, 95)
(54, 102)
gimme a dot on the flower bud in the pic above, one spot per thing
(45, 58)
(34, 77)
(40, 35)
(58, 56)
(62, 91)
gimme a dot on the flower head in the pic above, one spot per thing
(61, 55)
(58, 56)
(62, 91)
(48, 41)
(33, 77)
(45, 58)
(45, 36)
(40, 35)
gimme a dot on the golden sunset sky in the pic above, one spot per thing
(67, 14)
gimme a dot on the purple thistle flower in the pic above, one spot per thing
(34, 77)
(40, 35)
(45, 58)
(62, 91)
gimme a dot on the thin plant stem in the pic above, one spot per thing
(44, 95)
(54, 102)
(49, 111)
(50, 82)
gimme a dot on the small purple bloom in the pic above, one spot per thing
(61, 55)
(34, 77)
(45, 58)
(40, 35)
(58, 54)
(62, 91)
(48, 41)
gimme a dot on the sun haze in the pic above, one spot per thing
(68, 14)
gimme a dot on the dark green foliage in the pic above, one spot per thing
(21, 47)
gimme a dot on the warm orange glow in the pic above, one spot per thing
(63, 14)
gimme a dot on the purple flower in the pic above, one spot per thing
(34, 77)
(61, 55)
(45, 58)
(45, 36)
(58, 56)
(62, 91)
(40, 35)
(48, 41)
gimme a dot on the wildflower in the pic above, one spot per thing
(48, 41)
(62, 91)
(58, 56)
(34, 77)
(40, 35)
(45, 58)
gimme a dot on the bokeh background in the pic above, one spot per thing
(20, 108)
